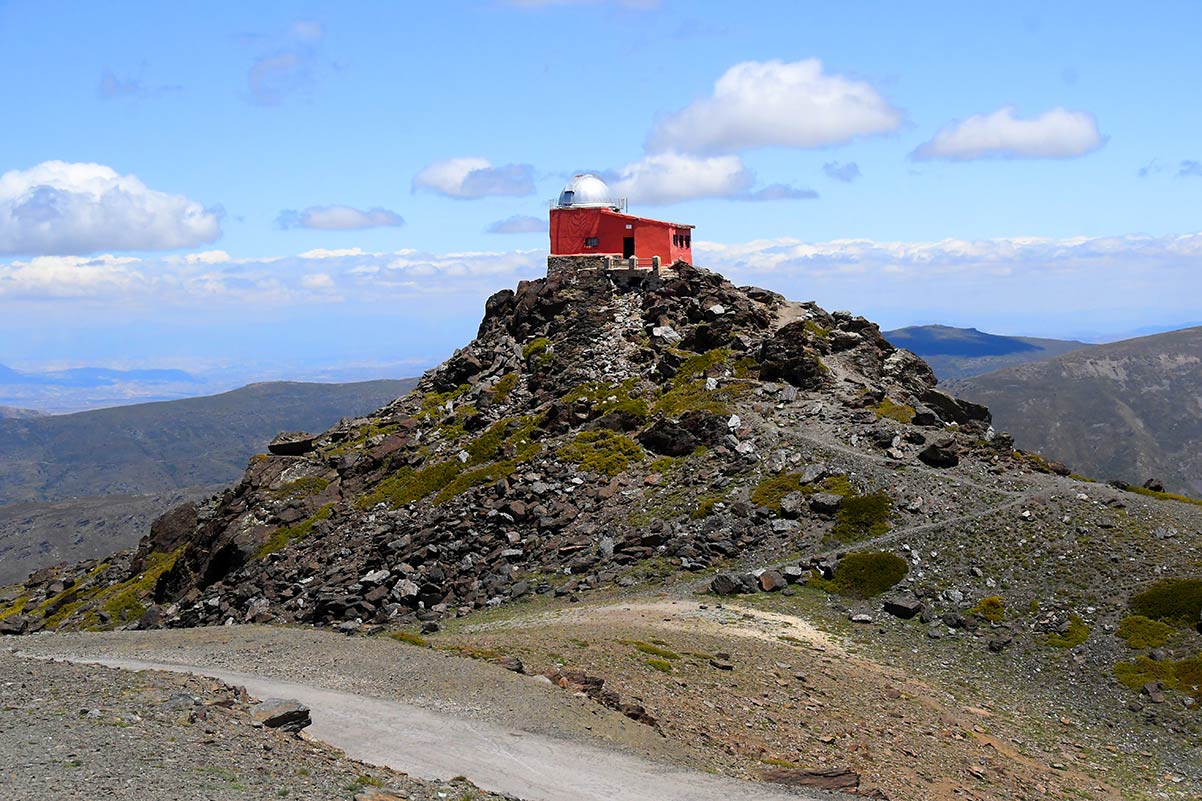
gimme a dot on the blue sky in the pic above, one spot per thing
(291, 186)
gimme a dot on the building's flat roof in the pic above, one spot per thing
(629, 216)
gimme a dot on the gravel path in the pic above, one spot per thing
(437, 737)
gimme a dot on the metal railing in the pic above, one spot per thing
(617, 204)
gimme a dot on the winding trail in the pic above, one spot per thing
(433, 745)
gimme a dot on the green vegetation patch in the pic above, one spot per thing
(895, 411)
(124, 600)
(538, 351)
(1141, 632)
(1077, 633)
(699, 364)
(862, 517)
(772, 490)
(410, 638)
(1182, 674)
(1177, 602)
(284, 536)
(504, 387)
(604, 452)
(305, 487)
(705, 506)
(864, 574)
(1165, 496)
(15, 607)
(652, 649)
(689, 396)
(610, 398)
(662, 665)
(991, 607)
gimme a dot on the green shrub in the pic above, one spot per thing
(407, 485)
(1177, 602)
(1141, 632)
(772, 490)
(991, 607)
(705, 506)
(862, 517)
(506, 385)
(602, 451)
(1183, 674)
(662, 665)
(867, 573)
(700, 364)
(1077, 633)
(538, 351)
(895, 411)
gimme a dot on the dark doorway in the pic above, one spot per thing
(628, 247)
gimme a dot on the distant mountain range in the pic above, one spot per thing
(80, 485)
(93, 377)
(963, 352)
(1128, 410)
(13, 413)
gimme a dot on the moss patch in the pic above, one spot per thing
(867, 573)
(895, 411)
(699, 364)
(300, 488)
(604, 452)
(772, 490)
(538, 351)
(662, 665)
(1165, 496)
(503, 388)
(653, 649)
(1183, 674)
(1177, 602)
(610, 398)
(1077, 633)
(410, 638)
(1140, 632)
(124, 600)
(862, 517)
(991, 607)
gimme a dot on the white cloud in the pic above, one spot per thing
(842, 172)
(336, 253)
(776, 104)
(779, 192)
(339, 218)
(1017, 285)
(474, 177)
(317, 281)
(663, 178)
(61, 208)
(1055, 134)
(207, 257)
(519, 224)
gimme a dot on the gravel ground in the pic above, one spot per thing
(71, 731)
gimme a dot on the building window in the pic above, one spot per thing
(688, 241)
(590, 242)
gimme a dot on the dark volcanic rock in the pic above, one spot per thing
(295, 443)
(943, 452)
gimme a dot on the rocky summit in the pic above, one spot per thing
(599, 419)
(665, 434)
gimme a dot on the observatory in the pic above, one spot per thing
(587, 220)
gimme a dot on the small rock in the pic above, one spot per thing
(286, 714)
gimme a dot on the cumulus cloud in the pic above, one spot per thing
(1005, 283)
(779, 192)
(317, 281)
(842, 172)
(339, 218)
(59, 208)
(288, 69)
(663, 178)
(1055, 134)
(473, 177)
(518, 224)
(776, 104)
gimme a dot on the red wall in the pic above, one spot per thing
(570, 228)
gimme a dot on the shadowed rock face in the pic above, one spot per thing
(1128, 410)
(530, 453)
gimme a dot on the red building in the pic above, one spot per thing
(587, 220)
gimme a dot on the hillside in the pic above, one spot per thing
(1129, 410)
(955, 353)
(752, 525)
(12, 413)
(161, 447)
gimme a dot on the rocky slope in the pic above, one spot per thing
(610, 431)
(1129, 410)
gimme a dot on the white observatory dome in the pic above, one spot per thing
(586, 191)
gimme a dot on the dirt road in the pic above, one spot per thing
(428, 742)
